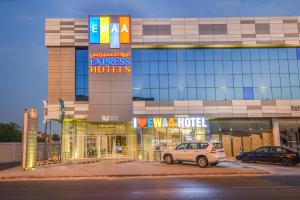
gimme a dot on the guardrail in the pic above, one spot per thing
(157, 156)
(142, 155)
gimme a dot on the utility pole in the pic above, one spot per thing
(62, 116)
(50, 137)
(45, 121)
(45, 145)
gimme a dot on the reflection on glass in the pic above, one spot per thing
(275, 69)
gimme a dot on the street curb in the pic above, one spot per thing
(18, 178)
(124, 161)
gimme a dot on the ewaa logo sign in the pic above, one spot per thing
(103, 31)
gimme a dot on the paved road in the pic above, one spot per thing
(244, 188)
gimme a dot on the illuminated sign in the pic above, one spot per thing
(106, 35)
(109, 61)
(103, 30)
(157, 122)
(29, 140)
(114, 62)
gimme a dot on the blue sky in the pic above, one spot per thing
(23, 57)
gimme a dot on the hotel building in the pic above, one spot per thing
(133, 86)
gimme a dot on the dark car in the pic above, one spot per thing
(272, 154)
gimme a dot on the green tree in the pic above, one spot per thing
(10, 132)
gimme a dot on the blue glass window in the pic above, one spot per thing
(238, 93)
(145, 69)
(298, 53)
(276, 92)
(286, 92)
(282, 53)
(163, 95)
(145, 93)
(248, 93)
(201, 93)
(163, 81)
(163, 67)
(199, 54)
(295, 92)
(192, 94)
(220, 93)
(172, 69)
(199, 67)
(81, 74)
(153, 55)
(190, 67)
(191, 80)
(153, 67)
(209, 67)
(182, 93)
(171, 54)
(209, 74)
(173, 81)
(211, 93)
(173, 93)
(154, 81)
(237, 67)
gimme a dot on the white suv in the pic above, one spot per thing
(203, 153)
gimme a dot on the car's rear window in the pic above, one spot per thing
(218, 145)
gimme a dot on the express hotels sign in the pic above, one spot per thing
(109, 36)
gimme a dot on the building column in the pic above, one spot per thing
(276, 132)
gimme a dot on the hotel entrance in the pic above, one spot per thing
(113, 146)
(83, 140)
(105, 146)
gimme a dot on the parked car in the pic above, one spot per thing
(272, 154)
(203, 153)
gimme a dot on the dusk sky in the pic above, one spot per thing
(23, 56)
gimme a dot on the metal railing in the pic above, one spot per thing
(142, 155)
(157, 155)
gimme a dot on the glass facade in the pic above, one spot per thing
(207, 74)
(290, 133)
(82, 139)
(192, 74)
(81, 75)
(239, 135)
(216, 74)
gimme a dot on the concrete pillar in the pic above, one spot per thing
(276, 132)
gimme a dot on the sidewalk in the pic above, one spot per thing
(113, 168)
(274, 169)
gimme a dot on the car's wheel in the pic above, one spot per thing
(202, 161)
(214, 163)
(245, 159)
(168, 159)
(287, 162)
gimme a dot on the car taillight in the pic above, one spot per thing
(213, 150)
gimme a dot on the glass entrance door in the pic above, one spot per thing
(113, 145)
(91, 147)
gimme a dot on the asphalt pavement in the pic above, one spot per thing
(227, 187)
